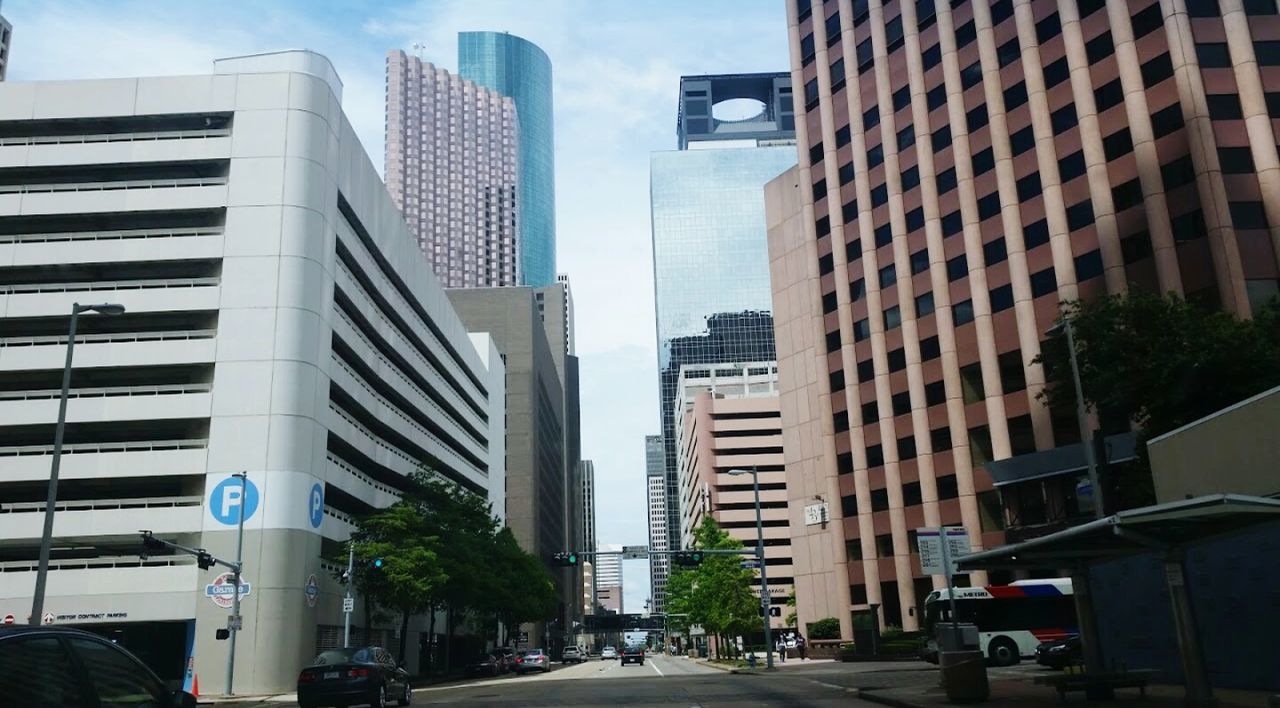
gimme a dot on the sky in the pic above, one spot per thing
(616, 66)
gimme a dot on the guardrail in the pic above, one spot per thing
(116, 137)
(31, 566)
(113, 186)
(109, 337)
(122, 234)
(29, 288)
(105, 392)
(102, 504)
(94, 448)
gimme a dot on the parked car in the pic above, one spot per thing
(57, 667)
(357, 675)
(1060, 653)
(609, 653)
(633, 654)
(533, 660)
(507, 656)
(487, 664)
(573, 655)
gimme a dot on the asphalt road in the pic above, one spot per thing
(662, 681)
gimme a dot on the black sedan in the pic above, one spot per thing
(1060, 653)
(60, 667)
(355, 676)
(485, 665)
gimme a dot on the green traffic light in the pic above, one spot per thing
(377, 563)
(573, 559)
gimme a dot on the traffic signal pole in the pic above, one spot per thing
(234, 624)
(351, 579)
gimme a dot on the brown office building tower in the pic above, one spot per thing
(964, 167)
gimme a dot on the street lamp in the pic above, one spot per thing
(1082, 413)
(764, 575)
(46, 540)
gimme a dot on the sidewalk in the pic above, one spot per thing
(1019, 692)
(265, 699)
(761, 664)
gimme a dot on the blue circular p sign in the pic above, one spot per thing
(229, 496)
(315, 505)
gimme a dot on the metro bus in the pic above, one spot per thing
(1012, 619)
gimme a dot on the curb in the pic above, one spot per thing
(875, 697)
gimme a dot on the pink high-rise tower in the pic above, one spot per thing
(452, 153)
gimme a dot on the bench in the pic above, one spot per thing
(1108, 681)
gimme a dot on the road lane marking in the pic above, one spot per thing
(654, 666)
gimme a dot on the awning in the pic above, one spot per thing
(1068, 459)
(1161, 527)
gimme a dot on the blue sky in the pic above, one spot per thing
(616, 66)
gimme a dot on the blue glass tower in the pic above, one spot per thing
(712, 295)
(517, 68)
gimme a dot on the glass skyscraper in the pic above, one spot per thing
(517, 68)
(710, 261)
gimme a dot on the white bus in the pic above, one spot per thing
(1012, 619)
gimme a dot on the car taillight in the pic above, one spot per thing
(306, 677)
(519, 660)
(357, 673)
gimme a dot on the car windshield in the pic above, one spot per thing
(344, 656)
(531, 652)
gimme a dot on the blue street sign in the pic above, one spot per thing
(226, 498)
(316, 505)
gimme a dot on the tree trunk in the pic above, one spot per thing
(404, 635)
(368, 622)
(431, 639)
(448, 638)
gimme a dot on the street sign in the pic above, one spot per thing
(630, 552)
(48, 618)
(8, 619)
(235, 622)
(815, 514)
(929, 542)
(750, 563)
(348, 604)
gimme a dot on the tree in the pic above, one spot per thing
(717, 594)
(1157, 363)
(410, 572)
(792, 616)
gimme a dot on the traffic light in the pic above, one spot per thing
(377, 564)
(687, 558)
(204, 560)
(150, 543)
(566, 560)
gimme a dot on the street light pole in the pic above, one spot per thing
(1082, 416)
(235, 595)
(51, 498)
(764, 574)
(351, 579)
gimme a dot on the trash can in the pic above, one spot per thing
(962, 666)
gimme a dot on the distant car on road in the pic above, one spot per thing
(60, 666)
(633, 654)
(573, 655)
(354, 676)
(486, 664)
(1060, 653)
(532, 660)
(609, 653)
(507, 657)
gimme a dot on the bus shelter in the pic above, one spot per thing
(1169, 529)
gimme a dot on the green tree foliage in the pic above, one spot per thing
(717, 594)
(1159, 362)
(825, 628)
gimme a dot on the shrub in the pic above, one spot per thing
(825, 628)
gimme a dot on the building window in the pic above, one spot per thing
(1029, 187)
(947, 488)
(935, 394)
(865, 55)
(965, 34)
(1043, 282)
(971, 75)
(866, 372)
(1022, 141)
(883, 235)
(976, 118)
(1063, 119)
(840, 421)
(1008, 53)
(815, 153)
(1147, 21)
(871, 117)
(884, 542)
(833, 341)
(1001, 298)
(823, 226)
(875, 156)
(1203, 8)
(924, 304)
(936, 97)
(888, 276)
(901, 98)
(946, 180)
(1015, 95)
(957, 268)
(1001, 11)
(980, 452)
(1224, 106)
(1079, 215)
(828, 303)
(806, 49)
(1056, 73)
(1035, 234)
(1088, 265)
(1235, 160)
(1179, 172)
(1136, 247)
(962, 312)
(849, 212)
(870, 412)
(1108, 95)
(1259, 7)
(1022, 436)
(920, 261)
(1118, 144)
(952, 224)
(846, 173)
(1048, 28)
(843, 136)
(910, 178)
(901, 403)
(906, 138)
(915, 218)
(1126, 195)
(1157, 70)
(897, 360)
(971, 383)
(833, 28)
(857, 290)
(819, 190)
(836, 379)
(1099, 48)
(1166, 120)
(941, 138)
(879, 195)
(926, 13)
(983, 161)
(988, 206)
(861, 330)
(1248, 215)
(837, 75)
(930, 348)
(825, 264)
(994, 252)
(893, 34)
(931, 57)
(1189, 226)
(940, 439)
(853, 250)
(1071, 166)
(907, 451)
(1013, 375)
(811, 94)
(875, 456)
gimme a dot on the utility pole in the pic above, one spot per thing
(348, 603)
(234, 624)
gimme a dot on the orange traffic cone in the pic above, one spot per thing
(195, 685)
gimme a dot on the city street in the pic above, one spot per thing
(672, 681)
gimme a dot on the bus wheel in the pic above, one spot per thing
(1003, 652)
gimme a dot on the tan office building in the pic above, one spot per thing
(964, 167)
(727, 418)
